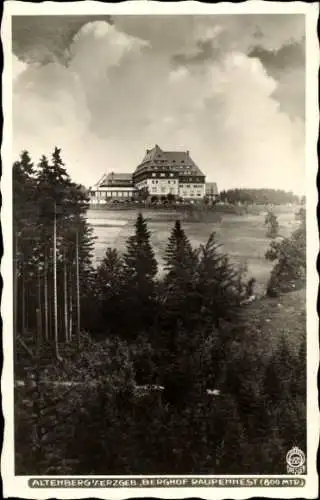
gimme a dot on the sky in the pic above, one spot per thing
(228, 88)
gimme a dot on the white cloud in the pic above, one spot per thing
(18, 67)
(119, 96)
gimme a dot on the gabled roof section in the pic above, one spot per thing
(152, 154)
(101, 181)
(114, 178)
(177, 160)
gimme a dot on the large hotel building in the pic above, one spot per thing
(161, 173)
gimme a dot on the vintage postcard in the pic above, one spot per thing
(160, 330)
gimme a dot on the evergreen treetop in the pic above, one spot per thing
(139, 258)
(180, 259)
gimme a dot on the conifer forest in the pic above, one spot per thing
(118, 371)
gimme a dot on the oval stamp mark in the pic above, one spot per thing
(295, 459)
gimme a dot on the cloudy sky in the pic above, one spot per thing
(229, 88)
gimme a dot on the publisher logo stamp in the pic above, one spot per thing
(295, 459)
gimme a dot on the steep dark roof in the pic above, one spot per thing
(113, 178)
(180, 161)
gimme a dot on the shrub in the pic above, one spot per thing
(271, 221)
(289, 255)
(49, 405)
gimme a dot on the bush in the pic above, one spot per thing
(289, 255)
(272, 224)
(48, 406)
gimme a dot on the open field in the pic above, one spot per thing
(242, 236)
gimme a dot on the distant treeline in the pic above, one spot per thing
(259, 196)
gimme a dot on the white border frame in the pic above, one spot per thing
(17, 485)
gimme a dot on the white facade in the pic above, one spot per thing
(192, 191)
(163, 187)
(102, 195)
(161, 173)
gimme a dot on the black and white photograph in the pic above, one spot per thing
(160, 328)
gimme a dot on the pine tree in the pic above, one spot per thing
(139, 258)
(23, 188)
(24, 235)
(140, 271)
(107, 297)
(180, 259)
(180, 304)
(49, 218)
(217, 283)
(110, 274)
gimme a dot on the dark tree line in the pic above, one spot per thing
(52, 246)
(119, 327)
(258, 196)
(130, 298)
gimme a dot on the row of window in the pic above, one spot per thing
(174, 173)
(190, 179)
(163, 190)
(169, 182)
(153, 165)
(111, 194)
(162, 174)
(100, 194)
(173, 161)
(184, 193)
(166, 161)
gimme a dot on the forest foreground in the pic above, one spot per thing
(120, 371)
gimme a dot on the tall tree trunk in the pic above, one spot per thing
(55, 295)
(39, 313)
(65, 297)
(70, 307)
(23, 303)
(39, 332)
(46, 309)
(78, 288)
(27, 308)
(15, 294)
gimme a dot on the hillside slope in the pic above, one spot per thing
(277, 317)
